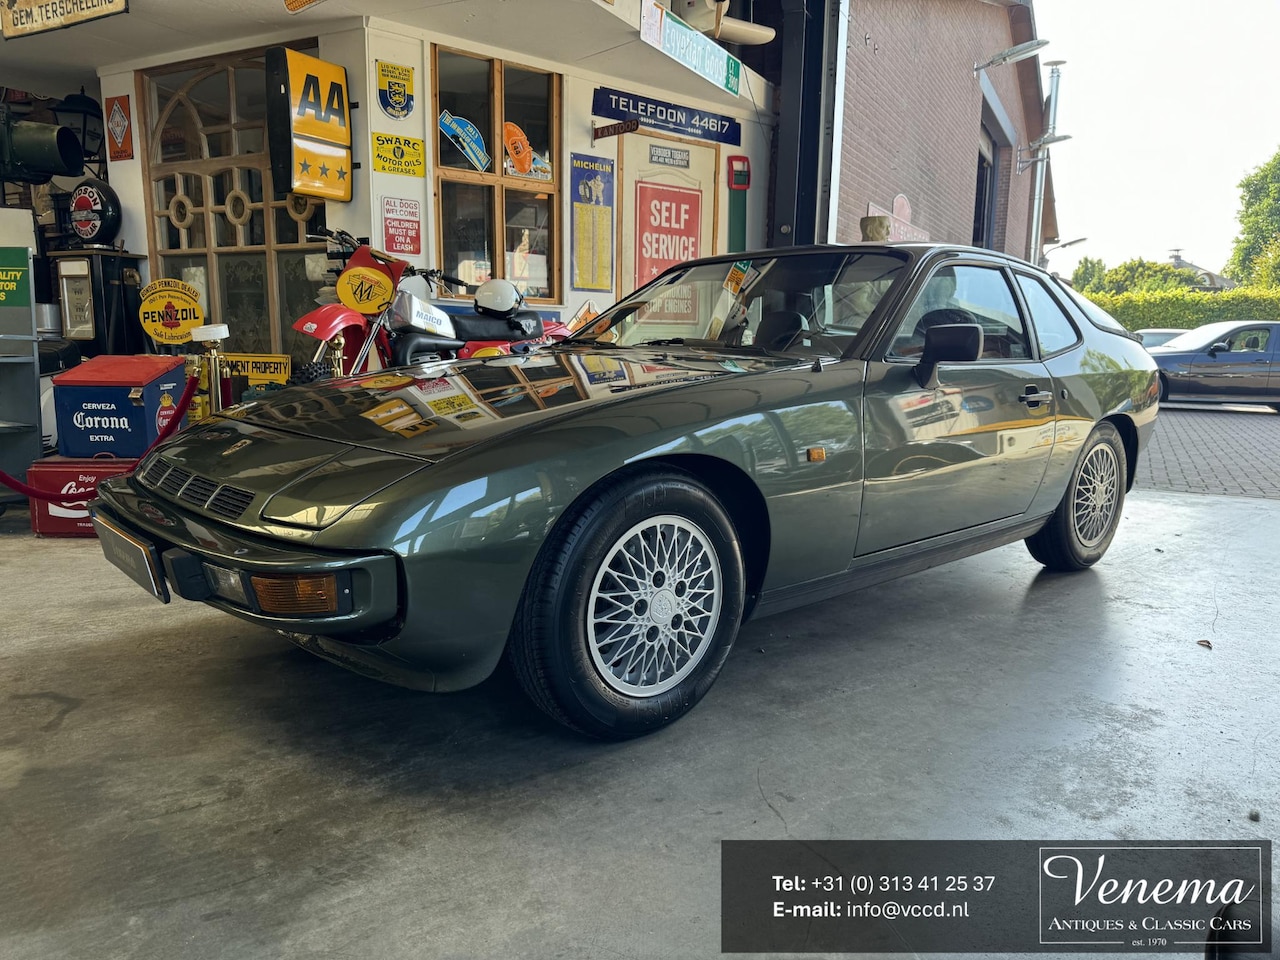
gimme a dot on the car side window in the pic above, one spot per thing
(1252, 340)
(965, 294)
(1054, 330)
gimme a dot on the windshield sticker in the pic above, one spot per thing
(737, 274)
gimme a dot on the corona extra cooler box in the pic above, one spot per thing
(76, 479)
(116, 405)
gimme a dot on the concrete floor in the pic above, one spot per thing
(175, 783)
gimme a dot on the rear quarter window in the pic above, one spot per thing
(1081, 306)
(1054, 331)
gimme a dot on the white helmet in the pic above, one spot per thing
(498, 298)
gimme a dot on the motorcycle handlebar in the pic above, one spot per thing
(347, 240)
(339, 236)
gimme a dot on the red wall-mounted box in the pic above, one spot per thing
(67, 477)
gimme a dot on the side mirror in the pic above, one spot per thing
(1218, 348)
(948, 343)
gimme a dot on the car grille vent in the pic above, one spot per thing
(174, 481)
(230, 502)
(156, 471)
(197, 491)
(166, 477)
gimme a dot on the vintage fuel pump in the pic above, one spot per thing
(98, 285)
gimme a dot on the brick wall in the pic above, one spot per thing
(912, 114)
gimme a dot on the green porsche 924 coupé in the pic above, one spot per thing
(742, 435)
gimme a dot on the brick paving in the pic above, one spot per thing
(1217, 450)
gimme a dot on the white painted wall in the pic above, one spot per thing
(127, 177)
(359, 45)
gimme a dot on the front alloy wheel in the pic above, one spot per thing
(632, 605)
(654, 606)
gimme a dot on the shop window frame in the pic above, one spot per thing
(245, 216)
(495, 178)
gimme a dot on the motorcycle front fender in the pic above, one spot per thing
(326, 322)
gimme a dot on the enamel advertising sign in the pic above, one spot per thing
(406, 156)
(20, 18)
(668, 224)
(395, 89)
(402, 226)
(119, 129)
(170, 310)
(308, 124)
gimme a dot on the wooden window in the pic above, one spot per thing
(214, 216)
(496, 161)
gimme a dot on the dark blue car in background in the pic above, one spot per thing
(1228, 362)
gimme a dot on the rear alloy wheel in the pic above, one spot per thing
(1081, 529)
(631, 608)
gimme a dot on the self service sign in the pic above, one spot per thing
(668, 227)
(308, 124)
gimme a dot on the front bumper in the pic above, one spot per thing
(368, 610)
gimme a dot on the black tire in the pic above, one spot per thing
(570, 624)
(1081, 529)
(1164, 388)
(311, 372)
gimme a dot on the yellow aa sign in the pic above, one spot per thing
(318, 99)
(309, 124)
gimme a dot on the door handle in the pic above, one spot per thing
(1032, 396)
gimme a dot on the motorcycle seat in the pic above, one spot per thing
(525, 325)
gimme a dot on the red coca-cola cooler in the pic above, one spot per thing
(75, 479)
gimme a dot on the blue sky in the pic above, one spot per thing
(1169, 104)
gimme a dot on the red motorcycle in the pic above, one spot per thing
(384, 305)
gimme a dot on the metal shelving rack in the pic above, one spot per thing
(20, 443)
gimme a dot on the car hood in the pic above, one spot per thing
(434, 411)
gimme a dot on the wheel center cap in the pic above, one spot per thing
(663, 606)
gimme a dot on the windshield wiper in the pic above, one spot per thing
(674, 341)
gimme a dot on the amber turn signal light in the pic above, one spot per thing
(298, 594)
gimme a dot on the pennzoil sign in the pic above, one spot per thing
(308, 125)
(20, 18)
(170, 310)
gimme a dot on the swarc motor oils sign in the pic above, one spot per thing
(308, 124)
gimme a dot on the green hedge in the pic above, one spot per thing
(1190, 308)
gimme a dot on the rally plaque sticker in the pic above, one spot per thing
(170, 310)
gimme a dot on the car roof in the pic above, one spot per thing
(915, 249)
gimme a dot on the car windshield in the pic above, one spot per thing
(1201, 337)
(806, 303)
